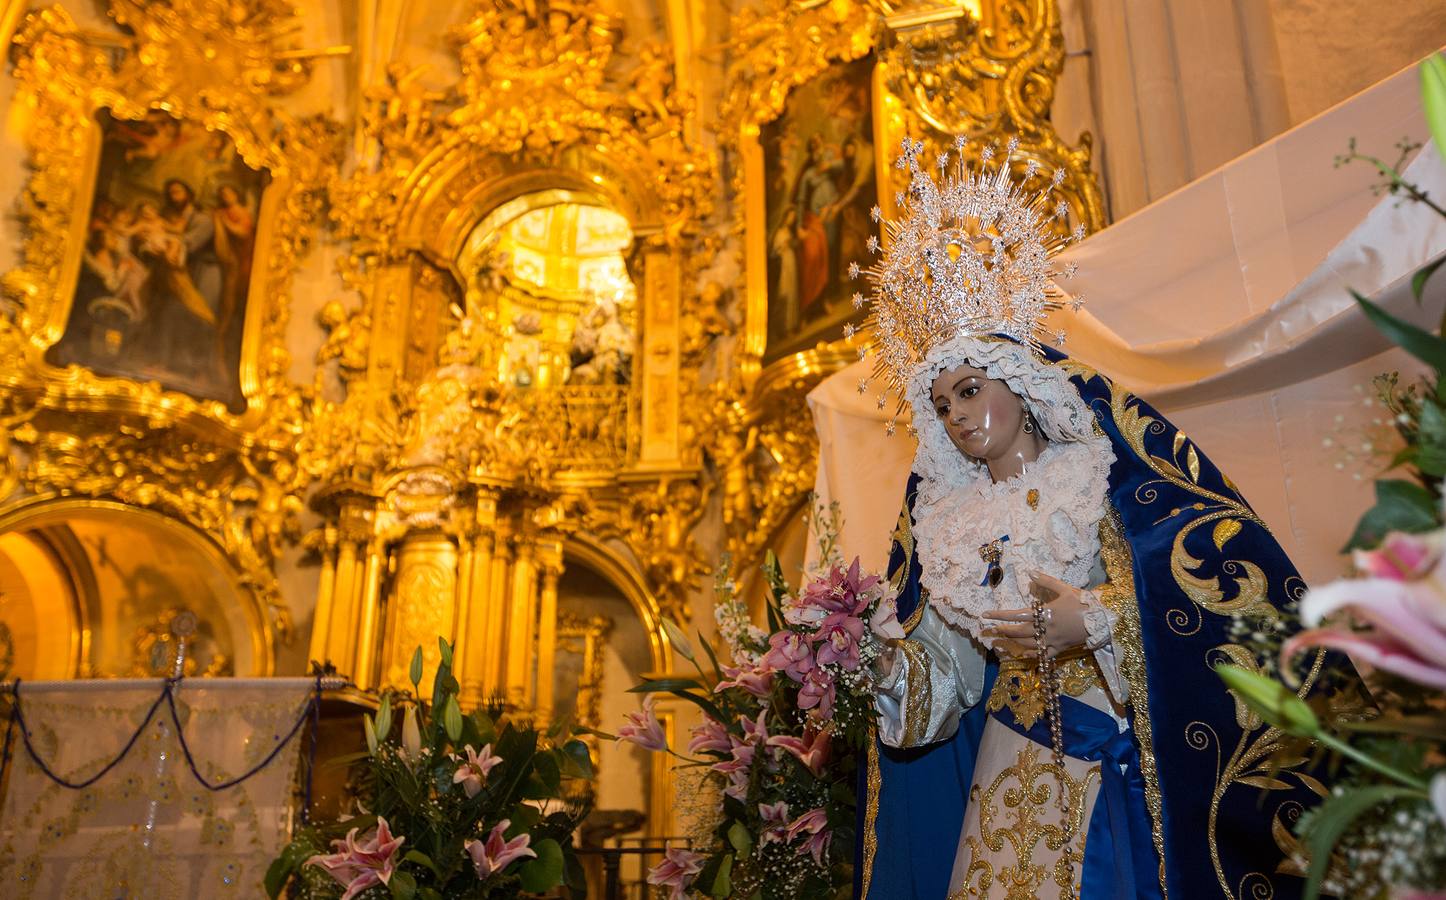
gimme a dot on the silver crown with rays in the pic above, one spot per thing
(971, 254)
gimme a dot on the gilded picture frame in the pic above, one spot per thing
(69, 85)
(782, 322)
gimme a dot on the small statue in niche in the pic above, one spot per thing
(348, 341)
(524, 349)
(602, 345)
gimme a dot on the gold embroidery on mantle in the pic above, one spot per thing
(871, 813)
(1018, 686)
(1120, 598)
(918, 694)
(1024, 789)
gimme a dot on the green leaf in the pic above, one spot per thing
(415, 671)
(545, 872)
(421, 859)
(665, 685)
(285, 865)
(1433, 98)
(576, 760)
(452, 718)
(426, 893)
(403, 885)
(523, 816)
(446, 649)
(1423, 275)
(712, 657)
(1423, 345)
(548, 772)
(1400, 506)
(739, 837)
(722, 883)
(1331, 820)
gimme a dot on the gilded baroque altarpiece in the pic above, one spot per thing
(450, 496)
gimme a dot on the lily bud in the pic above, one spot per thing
(1433, 98)
(1272, 701)
(679, 639)
(411, 735)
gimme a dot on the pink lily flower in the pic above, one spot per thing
(643, 728)
(884, 623)
(709, 735)
(472, 774)
(817, 694)
(789, 653)
(676, 870)
(775, 818)
(815, 824)
(496, 853)
(1402, 609)
(756, 681)
(812, 749)
(359, 865)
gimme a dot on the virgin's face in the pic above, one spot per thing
(983, 418)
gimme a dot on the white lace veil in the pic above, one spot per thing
(1045, 389)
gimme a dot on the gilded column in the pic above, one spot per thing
(499, 594)
(462, 597)
(549, 557)
(325, 597)
(472, 634)
(522, 624)
(341, 624)
(368, 612)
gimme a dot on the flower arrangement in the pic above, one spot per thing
(453, 805)
(1381, 829)
(780, 720)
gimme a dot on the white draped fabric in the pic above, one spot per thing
(147, 829)
(1225, 304)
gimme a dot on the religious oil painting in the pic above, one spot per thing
(170, 243)
(818, 160)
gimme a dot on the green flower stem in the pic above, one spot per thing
(1370, 762)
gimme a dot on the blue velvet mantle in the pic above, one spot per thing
(1199, 554)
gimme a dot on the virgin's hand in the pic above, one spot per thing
(1064, 605)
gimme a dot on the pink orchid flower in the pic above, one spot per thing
(817, 694)
(1402, 607)
(472, 774)
(709, 735)
(643, 728)
(676, 870)
(496, 853)
(812, 749)
(359, 865)
(790, 654)
(756, 681)
(815, 824)
(775, 820)
(839, 637)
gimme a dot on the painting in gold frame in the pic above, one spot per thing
(167, 259)
(819, 183)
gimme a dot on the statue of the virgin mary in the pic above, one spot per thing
(1067, 566)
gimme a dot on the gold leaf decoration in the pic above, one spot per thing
(1224, 530)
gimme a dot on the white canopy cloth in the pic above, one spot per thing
(1225, 304)
(147, 828)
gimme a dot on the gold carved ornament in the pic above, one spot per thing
(230, 474)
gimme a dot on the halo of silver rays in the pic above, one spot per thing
(971, 254)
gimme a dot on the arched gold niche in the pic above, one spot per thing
(88, 588)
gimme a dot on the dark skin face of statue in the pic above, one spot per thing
(985, 420)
